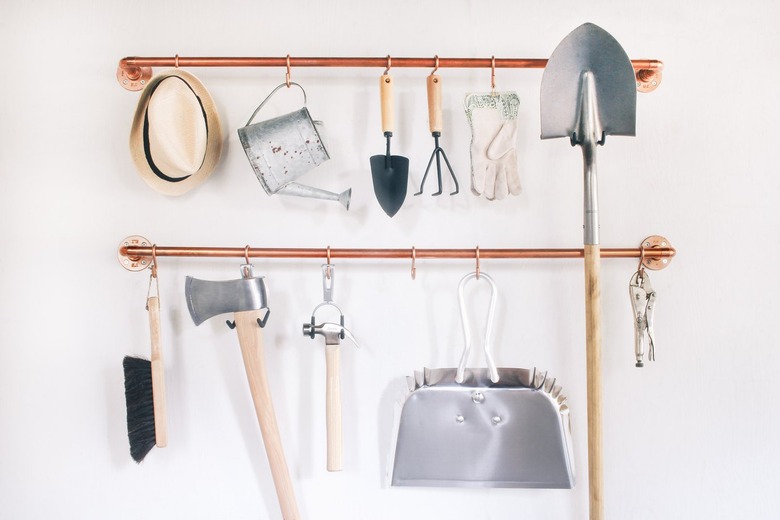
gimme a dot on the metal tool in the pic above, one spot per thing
(588, 91)
(643, 303)
(494, 427)
(435, 123)
(390, 173)
(246, 298)
(284, 148)
(333, 334)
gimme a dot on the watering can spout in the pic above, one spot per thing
(301, 190)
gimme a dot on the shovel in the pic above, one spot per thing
(390, 173)
(588, 92)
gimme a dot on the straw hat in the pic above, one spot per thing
(176, 138)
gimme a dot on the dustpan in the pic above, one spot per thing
(483, 427)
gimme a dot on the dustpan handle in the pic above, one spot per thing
(460, 376)
(269, 97)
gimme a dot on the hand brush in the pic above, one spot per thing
(145, 389)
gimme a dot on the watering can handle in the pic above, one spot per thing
(460, 376)
(269, 97)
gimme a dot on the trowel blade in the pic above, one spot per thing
(390, 181)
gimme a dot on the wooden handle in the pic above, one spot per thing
(158, 375)
(251, 339)
(386, 98)
(593, 355)
(333, 408)
(434, 102)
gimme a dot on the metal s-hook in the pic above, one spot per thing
(435, 64)
(287, 75)
(153, 276)
(387, 69)
(329, 268)
(176, 61)
(476, 254)
(492, 75)
(414, 261)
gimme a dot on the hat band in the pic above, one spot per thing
(147, 152)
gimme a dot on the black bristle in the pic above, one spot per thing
(140, 406)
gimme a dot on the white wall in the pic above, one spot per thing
(691, 436)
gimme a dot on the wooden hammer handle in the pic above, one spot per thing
(158, 375)
(593, 356)
(251, 339)
(333, 408)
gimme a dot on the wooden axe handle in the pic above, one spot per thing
(593, 355)
(251, 339)
(333, 408)
(158, 375)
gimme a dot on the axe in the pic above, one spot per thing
(246, 298)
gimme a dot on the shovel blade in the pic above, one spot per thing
(588, 49)
(391, 179)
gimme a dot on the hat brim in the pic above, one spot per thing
(175, 183)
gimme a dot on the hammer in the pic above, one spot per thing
(246, 297)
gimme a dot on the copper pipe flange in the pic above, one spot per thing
(133, 78)
(134, 262)
(647, 80)
(651, 260)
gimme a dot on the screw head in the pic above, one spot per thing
(478, 397)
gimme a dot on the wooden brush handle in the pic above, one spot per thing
(386, 98)
(158, 375)
(434, 102)
(333, 407)
(593, 355)
(250, 337)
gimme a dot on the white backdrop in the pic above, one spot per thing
(689, 436)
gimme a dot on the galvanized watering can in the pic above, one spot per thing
(483, 427)
(284, 148)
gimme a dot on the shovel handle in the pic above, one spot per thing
(593, 356)
(250, 337)
(158, 375)
(386, 98)
(333, 408)
(434, 102)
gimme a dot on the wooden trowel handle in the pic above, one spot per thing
(434, 102)
(158, 375)
(251, 339)
(333, 408)
(386, 98)
(593, 355)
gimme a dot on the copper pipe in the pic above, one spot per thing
(132, 63)
(137, 252)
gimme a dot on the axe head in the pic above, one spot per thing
(206, 299)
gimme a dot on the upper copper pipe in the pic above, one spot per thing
(134, 62)
(137, 252)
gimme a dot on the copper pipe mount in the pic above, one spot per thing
(647, 80)
(134, 262)
(133, 78)
(655, 263)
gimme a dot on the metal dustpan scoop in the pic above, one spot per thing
(493, 427)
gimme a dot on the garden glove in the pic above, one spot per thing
(493, 121)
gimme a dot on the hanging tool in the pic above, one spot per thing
(433, 83)
(483, 427)
(588, 91)
(147, 423)
(643, 302)
(390, 173)
(246, 297)
(333, 334)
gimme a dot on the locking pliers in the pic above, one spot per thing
(643, 302)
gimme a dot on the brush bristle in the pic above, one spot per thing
(140, 406)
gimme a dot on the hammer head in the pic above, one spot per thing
(206, 299)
